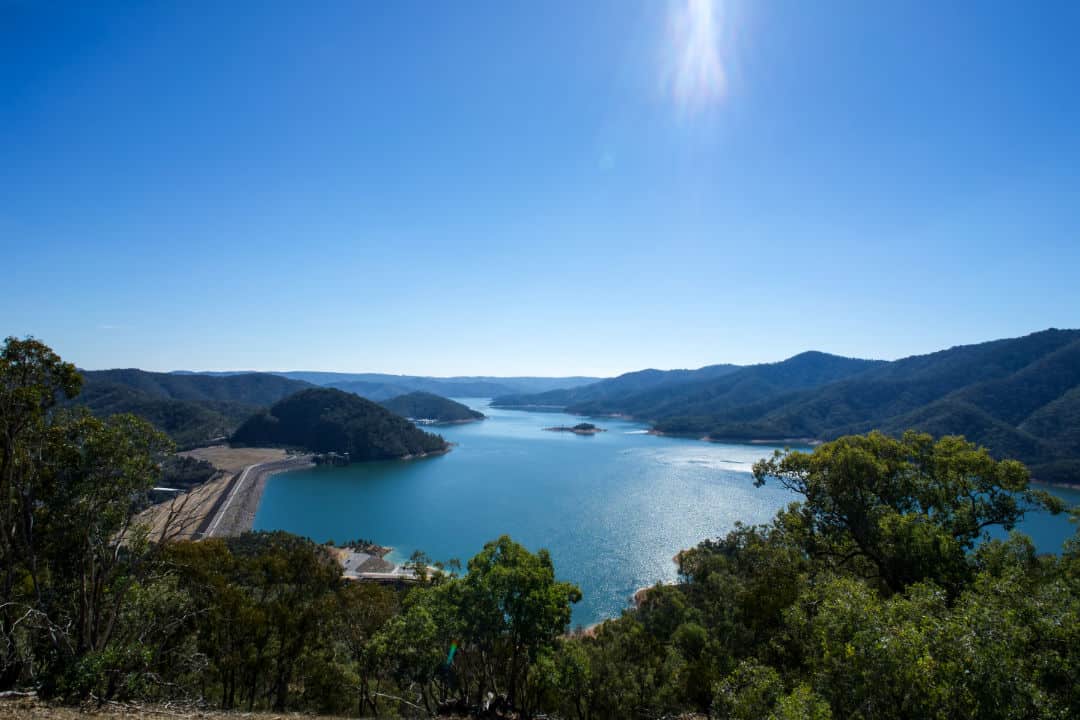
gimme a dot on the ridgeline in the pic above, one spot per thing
(431, 408)
(1018, 397)
(325, 420)
(191, 409)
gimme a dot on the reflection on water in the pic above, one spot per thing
(612, 508)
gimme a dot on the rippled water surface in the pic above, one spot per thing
(612, 508)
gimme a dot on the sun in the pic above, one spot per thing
(695, 76)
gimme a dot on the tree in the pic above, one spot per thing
(903, 510)
(514, 607)
(32, 380)
(96, 477)
(363, 609)
(70, 485)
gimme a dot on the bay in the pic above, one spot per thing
(613, 509)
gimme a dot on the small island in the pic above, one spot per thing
(579, 429)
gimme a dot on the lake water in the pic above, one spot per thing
(613, 508)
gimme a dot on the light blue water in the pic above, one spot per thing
(613, 508)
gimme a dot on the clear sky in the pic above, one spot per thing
(534, 187)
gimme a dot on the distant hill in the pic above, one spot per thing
(606, 391)
(1016, 397)
(191, 409)
(426, 406)
(1019, 397)
(702, 396)
(381, 386)
(330, 420)
(249, 388)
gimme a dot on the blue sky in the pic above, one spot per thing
(534, 188)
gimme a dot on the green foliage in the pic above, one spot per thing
(516, 608)
(1018, 397)
(426, 406)
(243, 388)
(267, 602)
(326, 420)
(70, 558)
(192, 409)
(189, 423)
(612, 388)
(903, 510)
(179, 471)
(876, 595)
(747, 692)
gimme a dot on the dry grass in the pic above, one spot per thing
(233, 460)
(181, 517)
(22, 708)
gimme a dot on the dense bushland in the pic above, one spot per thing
(1019, 397)
(191, 409)
(876, 595)
(326, 420)
(426, 406)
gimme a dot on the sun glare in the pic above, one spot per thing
(694, 76)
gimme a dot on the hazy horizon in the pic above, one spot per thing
(539, 375)
(546, 190)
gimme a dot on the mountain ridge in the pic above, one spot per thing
(192, 410)
(427, 407)
(1019, 397)
(324, 420)
(383, 386)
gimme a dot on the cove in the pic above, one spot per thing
(612, 508)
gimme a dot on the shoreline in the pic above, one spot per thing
(577, 431)
(1064, 485)
(421, 422)
(237, 515)
(241, 499)
(421, 456)
(809, 442)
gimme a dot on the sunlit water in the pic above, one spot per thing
(613, 508)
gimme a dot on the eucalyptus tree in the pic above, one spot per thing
(70, 486)
(902, 510)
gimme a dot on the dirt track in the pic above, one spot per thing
(189, 515)
(26, 708)
(237, 505)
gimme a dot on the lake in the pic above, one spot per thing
(612, 508)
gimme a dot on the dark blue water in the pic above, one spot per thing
(613, 508)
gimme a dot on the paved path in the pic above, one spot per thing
(236, 512)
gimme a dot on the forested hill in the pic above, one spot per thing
(381, 386)
(427, 406)
(191, 409)
(611, 390)
(1020, 397)
(329, 420)
(705, 396)
(652, 394)
(248, 388)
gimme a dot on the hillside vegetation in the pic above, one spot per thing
(1019, 397)
(191, 409)
(246, 388)
(382, 386)
(877, 593)
(328, 420)
(426, 406)
(612, 389)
